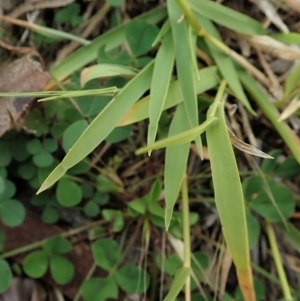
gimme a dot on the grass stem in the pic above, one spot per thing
(278, 263)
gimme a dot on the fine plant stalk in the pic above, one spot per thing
(128, 248)
(88, 276)
(182, 276)
(278, 263)
(186, 234)
(186, 223)
(39, 243)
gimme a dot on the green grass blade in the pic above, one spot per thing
(103, 124)
(177, 284)
(175, 162)
(105, 70)
(184, 65)
(286, 133)
(225, 64)
(207, 80)
(228, 190)
(163, 67)
(229, 197)
(227, 17)
(183, 137)
(110, 39)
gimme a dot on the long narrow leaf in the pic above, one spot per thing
(163, 67)
(103, 124)
(175, 162)
(184, 65)
(227, 17)
(229, 198)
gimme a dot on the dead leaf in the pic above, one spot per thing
(291, 108)
(22, 75)
(247, 148)
(274, 47)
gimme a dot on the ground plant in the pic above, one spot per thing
(160, 145)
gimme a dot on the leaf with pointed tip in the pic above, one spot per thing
(107, 120)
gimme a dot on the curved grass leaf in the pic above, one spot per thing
(207, 80)
(102, 125)
(104, 70)
(227, 17)
(161, 77)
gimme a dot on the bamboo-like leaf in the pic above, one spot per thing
(110, 39)
(163, 67)
(184, 65)
(207, 80)
(286, 133)
(103, 124)
(225, 63)
(175, 162)
(227, 17)
(104, 70)
(229, 197)
(178, 283)
(183, 137)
